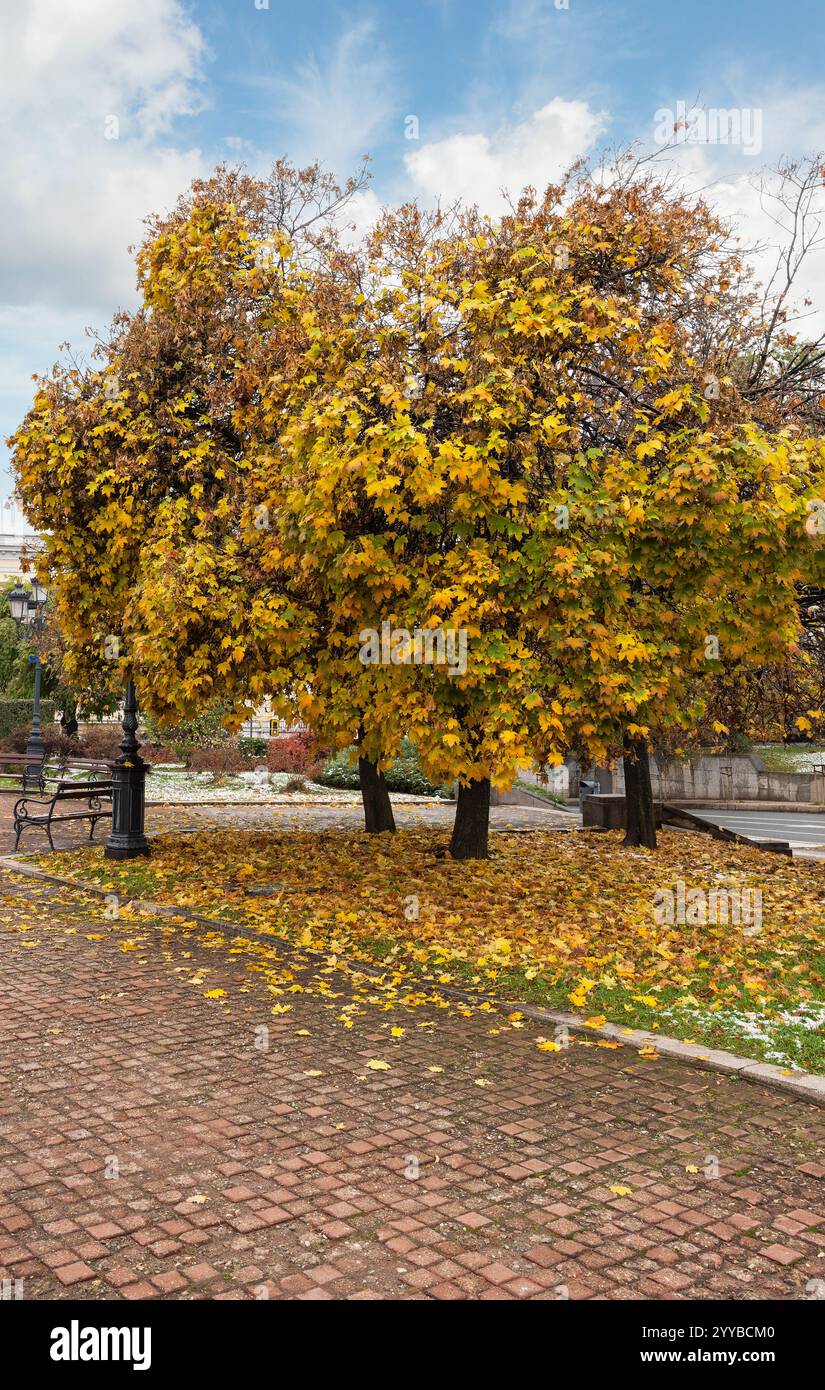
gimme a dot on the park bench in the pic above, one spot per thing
(13, 768)
(43, 812)
(94, 767)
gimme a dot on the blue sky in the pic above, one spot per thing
(503, 92)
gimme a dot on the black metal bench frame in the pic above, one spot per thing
(95, 794)
(16, 765)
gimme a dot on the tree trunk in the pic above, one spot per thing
(378, 815)
(472, 821)
(641, 826)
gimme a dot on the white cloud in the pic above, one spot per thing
(72, 200)
(478, 167)
(336, 108)
(791, 123)
(358, 217)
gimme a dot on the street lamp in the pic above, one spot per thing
(127, 839)
(29, 617)
(19, 605)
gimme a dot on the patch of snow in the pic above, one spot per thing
(168, 786)
(749, 1023)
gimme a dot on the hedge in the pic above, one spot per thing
(17, 713)
(404, 774)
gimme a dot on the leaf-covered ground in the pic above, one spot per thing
(558, 918)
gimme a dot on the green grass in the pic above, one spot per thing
(779, 757)
(737, 1027)
(544, 792)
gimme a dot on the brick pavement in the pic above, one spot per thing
(149, 1148)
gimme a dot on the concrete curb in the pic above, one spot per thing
(683, 819)
(803, 1085)
(802, 808)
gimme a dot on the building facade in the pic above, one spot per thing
(16, 538)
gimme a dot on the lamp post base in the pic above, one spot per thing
(127, 840)
(124, 851)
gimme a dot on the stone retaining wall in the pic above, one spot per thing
(708, 777)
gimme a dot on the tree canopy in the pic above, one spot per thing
(511, 431)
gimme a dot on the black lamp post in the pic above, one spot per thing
(29, 617)
(127, 839)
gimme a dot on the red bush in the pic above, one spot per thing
(292, 753)
(224, 757)
(101, 741)
(55, 742)
(158, 753)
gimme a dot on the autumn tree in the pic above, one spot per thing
(511, 436)
(498, 432)
(137, 466)
(688, 497)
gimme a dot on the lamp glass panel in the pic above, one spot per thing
(18, 604)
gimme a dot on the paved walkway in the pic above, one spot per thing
(276, 817)
(153, 1146)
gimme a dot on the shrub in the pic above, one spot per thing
(204, 731)
(404, 773)
(254, 747)
(339, 772)
(292, 752)
(225, 757)
(16, 714)
(295, 784)
(158, 753)
(54, 740)
(101, 741)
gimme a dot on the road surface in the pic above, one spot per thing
(804, 831)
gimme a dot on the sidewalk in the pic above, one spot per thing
(273, 817)
(149, 1148)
